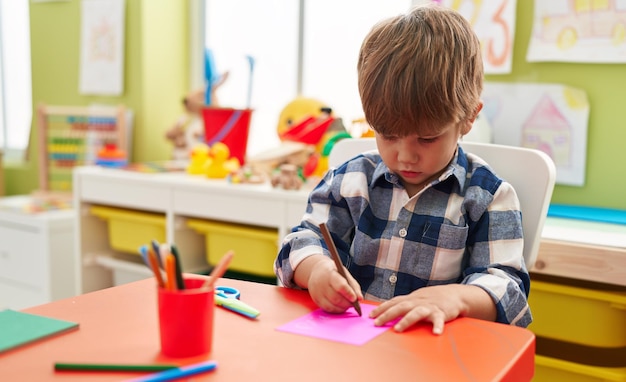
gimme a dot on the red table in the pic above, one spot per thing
(119, 325)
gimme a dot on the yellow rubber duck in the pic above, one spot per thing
(198, 158)
(219, 165)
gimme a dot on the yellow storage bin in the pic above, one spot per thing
(129, 229)
(550, 369)
(580, 315)
(255, 248)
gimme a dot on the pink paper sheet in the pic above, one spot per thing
(346, 327)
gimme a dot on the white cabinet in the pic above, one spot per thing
(36, 255)
(177, 197)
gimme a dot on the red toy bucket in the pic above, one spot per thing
(229, 126)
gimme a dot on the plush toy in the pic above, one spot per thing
(297, 111)
(307, 129)
(309, 121)
(287, 177)
(188, 131)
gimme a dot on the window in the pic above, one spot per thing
(306, 47)
(268, 31)
(333, 34)
(15, 81)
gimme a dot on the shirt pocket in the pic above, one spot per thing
(440, 251)
(446, 236)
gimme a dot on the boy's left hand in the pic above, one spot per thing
(437, 304)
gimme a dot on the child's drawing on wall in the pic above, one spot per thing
(548, 117)
(579, 31)
(547, 129)
(494, 24)
(102, 47)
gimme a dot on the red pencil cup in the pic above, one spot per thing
(186, 320)
(229, 126)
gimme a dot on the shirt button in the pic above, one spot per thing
(403, 232)
(393, 279)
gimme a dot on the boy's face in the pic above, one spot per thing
(417, 160)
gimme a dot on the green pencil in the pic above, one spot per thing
(111, 367)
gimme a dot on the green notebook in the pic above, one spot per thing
(19, 328)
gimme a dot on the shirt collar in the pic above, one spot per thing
(458, 168)
(382, 172)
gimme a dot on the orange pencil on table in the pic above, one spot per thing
(170, 271)
(154, 264)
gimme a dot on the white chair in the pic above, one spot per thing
(531, 172)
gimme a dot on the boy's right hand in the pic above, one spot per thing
(328, 289)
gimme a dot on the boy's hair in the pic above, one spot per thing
(420, 71)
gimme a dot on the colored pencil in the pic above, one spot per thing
(170, 271)
(154, 264)
(143, 250)
(335, 255)
(110, 367)
(180, 283)
(157, 251)
(219, 270)
(179, 372)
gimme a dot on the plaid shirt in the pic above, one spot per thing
(464, 227)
